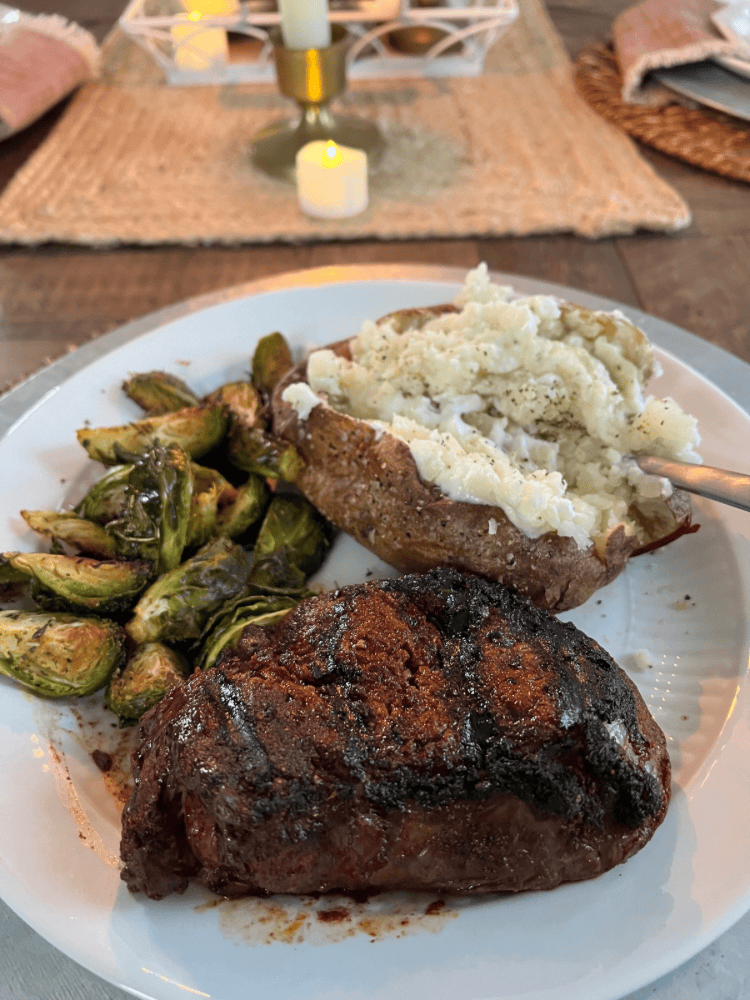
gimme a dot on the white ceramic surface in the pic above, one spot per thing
(733, 21)
(687, 605)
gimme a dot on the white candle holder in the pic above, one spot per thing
(461, 32)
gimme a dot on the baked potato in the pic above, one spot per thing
(366, 480)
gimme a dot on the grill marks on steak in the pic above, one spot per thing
(430, 732)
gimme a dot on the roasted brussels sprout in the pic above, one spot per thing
(228, 624)
(76, 583)
(159, 392)
(196, 430)
(177, 605)
(13, 582)
(105, 501)
(150, 672)
(84, 536)
(154, 523)
(241, 400)
(254, 450)
(248, 507)
(211, 494)
(271, 360)
(291, 544)
(58, 655)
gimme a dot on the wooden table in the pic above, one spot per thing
(55, 297)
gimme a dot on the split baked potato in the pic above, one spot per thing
(365, 478)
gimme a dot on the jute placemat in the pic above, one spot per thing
(514, 151)
(700, 136)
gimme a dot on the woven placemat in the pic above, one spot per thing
(514, 151)
(699, 136)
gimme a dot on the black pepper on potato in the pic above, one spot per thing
(366, 481)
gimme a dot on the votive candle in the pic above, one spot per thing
(331, 180)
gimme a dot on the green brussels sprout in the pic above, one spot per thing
(105, 501)
(205, 478)
(227, 626)
(292, 543)
(159, 392)
(82, 535)
(211, 494)
(271, 360)
(196, 430)
(248, 507)
(13, 582)
(241, 400)
(150, 672)
(57, 655)
(77, 583)
(254, 450)
(154, 523)
(177, 605)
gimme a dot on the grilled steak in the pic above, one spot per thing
(434, 731)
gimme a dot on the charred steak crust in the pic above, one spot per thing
(435, 731)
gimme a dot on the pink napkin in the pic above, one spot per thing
(659, 33)
(42, 59)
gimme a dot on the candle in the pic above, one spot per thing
(211, 7)
(331, 180)
(304, 24)
(196, 47)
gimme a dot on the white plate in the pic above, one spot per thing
(686, 604)
(733, 21)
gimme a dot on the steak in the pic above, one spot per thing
(431, 732)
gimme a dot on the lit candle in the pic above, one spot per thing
(196, 47)
(200, 48)
(211, 7)
(331, 180)
(304, 24)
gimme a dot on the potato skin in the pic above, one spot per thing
(368, 485)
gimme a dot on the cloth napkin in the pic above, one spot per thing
(655, 34)
(42, 59)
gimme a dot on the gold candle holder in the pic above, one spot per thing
(312, 78)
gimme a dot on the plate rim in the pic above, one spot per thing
(735, 383)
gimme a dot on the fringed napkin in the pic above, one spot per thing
(656, 34)
(42, 59)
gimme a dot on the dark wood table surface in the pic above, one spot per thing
(56, 296)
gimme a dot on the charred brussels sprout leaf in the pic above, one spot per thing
(271, 360)
(292, 543)
(254, 450)
(229, 624)
(58, 655)
(13, 582)
(155, 520)
(211, 493)
(177, 605)
(159, 392)
(196, 430)
(248, 507)
(82, 535)
(151, 671)
(241, 400)
(80, 584)
(105, 501)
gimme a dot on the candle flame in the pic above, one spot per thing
(332, 155)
